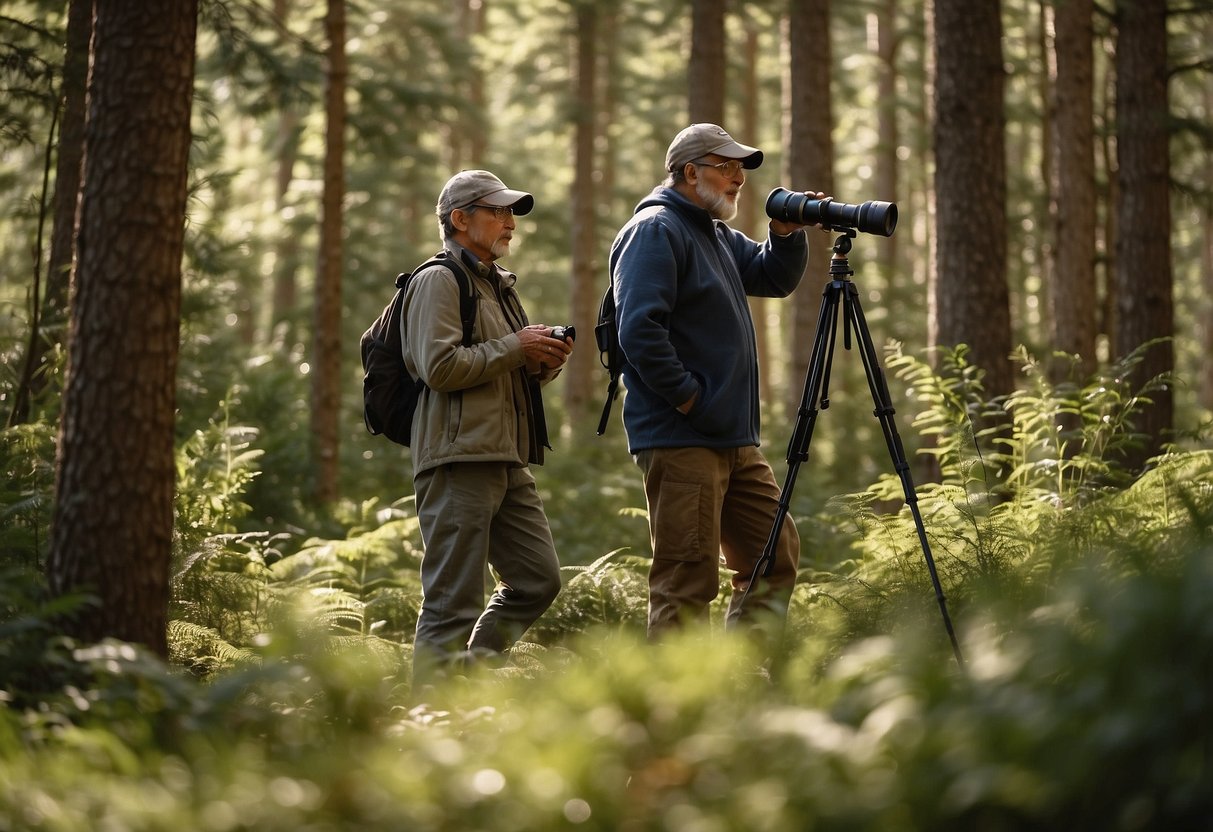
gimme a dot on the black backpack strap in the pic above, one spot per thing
(606, 334)
(612, 389)
(467, 292)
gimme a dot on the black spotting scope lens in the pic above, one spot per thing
(871, 217)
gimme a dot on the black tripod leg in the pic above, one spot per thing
(806, 420)
(884, 413)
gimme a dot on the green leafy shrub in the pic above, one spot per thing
(610, 592)
(27, 456)
(1087, 711)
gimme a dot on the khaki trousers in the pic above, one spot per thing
(472, 514)
(705, 504)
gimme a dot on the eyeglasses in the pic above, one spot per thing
(728, 169)
(501, 212)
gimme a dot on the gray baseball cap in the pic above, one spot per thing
(480, 186)
(699, 140)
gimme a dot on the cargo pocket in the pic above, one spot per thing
(676, 522)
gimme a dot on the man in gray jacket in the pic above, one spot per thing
(681, 278)
(478, 426)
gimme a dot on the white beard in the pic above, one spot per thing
(716, 202)
(501, 248)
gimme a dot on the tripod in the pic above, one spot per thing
(840, 292)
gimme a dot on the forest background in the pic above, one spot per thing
(1051, 166)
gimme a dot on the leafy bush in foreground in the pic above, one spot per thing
(1090, 711)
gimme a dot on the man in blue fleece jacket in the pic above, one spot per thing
(681, 277)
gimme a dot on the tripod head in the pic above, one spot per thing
(842, 246)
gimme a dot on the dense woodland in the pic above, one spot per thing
(208, 567)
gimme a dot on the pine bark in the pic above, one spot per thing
(579, 374)
(1145, 306)
(750, 218)
(888, 136)
(285, 297)
(809, 168)
(1072, 291)
(706, 69)
(49, 324)
(972, 299)
(112, 528)
(326, 349)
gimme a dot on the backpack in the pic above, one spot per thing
(389, 393)
(606, 334)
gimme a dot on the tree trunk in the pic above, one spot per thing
(609, 72)
(1072, 290)
(1206, 272)
(113, 521)
(1206, 268)
(326, 364)
(51, 316)
(888, 138)
(706, 70)
(924, 146)
(1143, 258)
(71, 156)
(810, 158)
(583, 206)
(1111, 193)
(749, 212)
(972, 299)
(1036, 301)
(926, 463)
(286, 250)
(467, 135)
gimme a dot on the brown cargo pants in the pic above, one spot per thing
(706, 504)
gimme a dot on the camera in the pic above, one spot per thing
(563, 332)
(870, 217)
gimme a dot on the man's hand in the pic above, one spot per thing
(542, 351)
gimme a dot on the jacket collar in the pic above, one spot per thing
(670, 198)
(476, 266)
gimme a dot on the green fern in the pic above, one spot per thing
(202, 651)
(27, 454)
(215, 466)
(610, 592)
(953, 401)
(1068, 438)
(226, 584)
(992, 519)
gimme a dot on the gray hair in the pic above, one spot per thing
(444, 220)
(675, 177)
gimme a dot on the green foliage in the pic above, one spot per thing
(1065, 440)
(27, 32)
(33, 657)
(590, 487)
(952, 398)
(201, 650)
(367, 583)
(27, 454)
(611, 592)
(1067, 437)
(234, 588)
(214, 469)
(1086, 710)
(999, 525)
